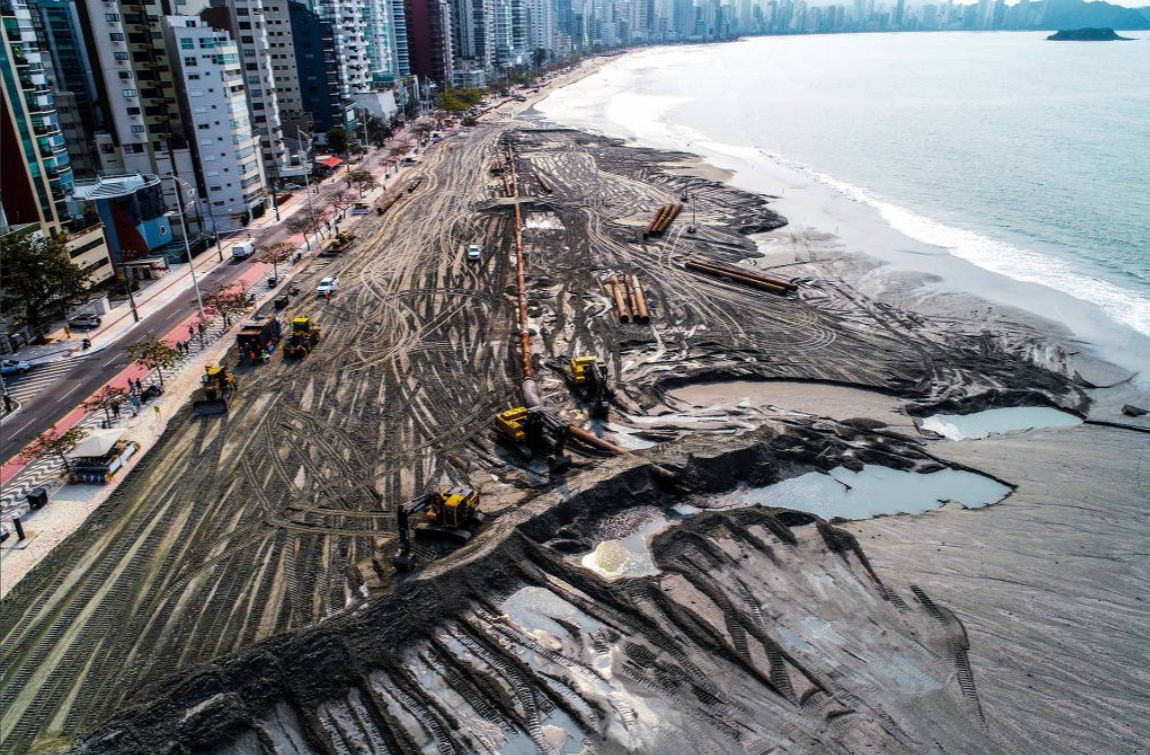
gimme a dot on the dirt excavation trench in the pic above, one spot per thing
(236, 593)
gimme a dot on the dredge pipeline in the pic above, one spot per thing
(531, 398)
(746, 277)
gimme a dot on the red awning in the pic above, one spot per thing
(330, 162)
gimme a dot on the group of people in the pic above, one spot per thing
(184, 347)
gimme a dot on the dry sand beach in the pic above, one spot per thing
(235, 594)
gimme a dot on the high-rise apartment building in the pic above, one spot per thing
(35, 171)
(429, 40)
(246, 22)
(216, 122)
(69, 69)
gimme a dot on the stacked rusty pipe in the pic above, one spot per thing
(741, 275)
(622, 300)
(668, 216)
(656, 220)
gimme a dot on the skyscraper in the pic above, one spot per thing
(216, 120)
(35, 173)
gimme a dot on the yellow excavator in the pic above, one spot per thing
(529, 429)
(304, 337)
(590, 378)
(216, 383)
(452, 514)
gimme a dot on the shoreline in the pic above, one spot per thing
(843, 224)
(258, 583)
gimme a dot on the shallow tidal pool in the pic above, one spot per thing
(997, 421)
(873, 491)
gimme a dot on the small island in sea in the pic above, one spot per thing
(1091, 34)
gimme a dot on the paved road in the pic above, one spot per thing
(59, 389)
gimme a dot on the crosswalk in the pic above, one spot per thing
(29, 385)
(46, 471)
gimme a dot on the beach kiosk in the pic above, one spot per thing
(100, 456)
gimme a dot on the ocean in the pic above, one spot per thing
(1007, 166)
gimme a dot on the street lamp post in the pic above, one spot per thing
(216, 231)
(307, 187)
(188, 249)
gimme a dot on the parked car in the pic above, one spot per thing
(85, 322)
(327, 286)
(14, 367)
(360, 209)
(474, 253)
(292, 187)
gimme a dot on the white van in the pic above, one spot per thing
(242, 250)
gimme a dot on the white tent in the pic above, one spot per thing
(97, 444)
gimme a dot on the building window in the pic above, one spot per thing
(125, 75)
(193, 76)
(204, 126)
(187, 43)
(137, 129)
(190, 62)
(116, 36)
(112, 18)
(128, 92)
(121, 55)
(133, 111)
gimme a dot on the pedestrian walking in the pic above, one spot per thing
(191, 330)
(116, 411)
(202, 328)
(8, 404)
(67, 332)
(135, 404)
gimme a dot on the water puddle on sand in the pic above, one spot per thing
(873, 491)
(997, 421)
(537, 608)
(626, 556)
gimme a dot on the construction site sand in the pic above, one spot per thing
(239, 590)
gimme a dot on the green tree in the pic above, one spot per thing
(338, 141)
(40, 280)
(362, 180)
(451, 102)
(153, 354)
(274, 254)
(52, 442)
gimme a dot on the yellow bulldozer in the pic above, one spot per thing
(527, 429)
(216, 384)
(304, 337)
(590, 378)
(452, 514)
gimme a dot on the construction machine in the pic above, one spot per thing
(590, 378)
(339, 244)
(216, 383)
(535, 428)
(452, 514)
(304, 337)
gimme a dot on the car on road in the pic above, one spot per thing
(474, 253)
(292, 187)
(360, 209)
(85, 322)
(327, 286)
(14, 367)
